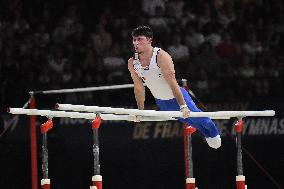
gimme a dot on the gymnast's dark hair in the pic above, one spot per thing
(142, 31)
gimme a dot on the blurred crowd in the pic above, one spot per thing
(226, 48)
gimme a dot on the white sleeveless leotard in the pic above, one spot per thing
(153, 78)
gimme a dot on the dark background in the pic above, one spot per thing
(232, 52)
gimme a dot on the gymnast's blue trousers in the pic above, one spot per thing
(203, 124)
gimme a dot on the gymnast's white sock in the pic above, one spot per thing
(214, 142)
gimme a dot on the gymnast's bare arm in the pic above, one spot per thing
(166, 64)
(139, 89)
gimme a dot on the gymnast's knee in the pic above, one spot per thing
(214, 142)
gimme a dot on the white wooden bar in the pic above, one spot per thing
(85, 89)
(219, 114)
(51, 114)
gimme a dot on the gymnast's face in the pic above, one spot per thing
(141, 43)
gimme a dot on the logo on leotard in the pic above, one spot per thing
(146, 68)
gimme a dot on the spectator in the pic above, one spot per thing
(213, 34)
(175, 8)
(279, 27)
(188, 16)
(226, 14)
(206, 15)
(159, 23)
(115, 65)
(226, 49)
(57, 61)
(101, 40)
(206, 60)
(270, 39)
(44, 77)
(193, 38)
(202, 84)
(247, 70)
(252, 46)
(149, 6)
(179, 53)
(67, 74)
(10, 66)
(237, 25)
(41, 36)
(126, 46)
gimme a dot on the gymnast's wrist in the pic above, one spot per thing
(140, 107)
(183, 106)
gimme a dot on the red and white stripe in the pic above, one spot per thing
(190, 183)
(45, 183)
(97, 181)
(240, 182)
